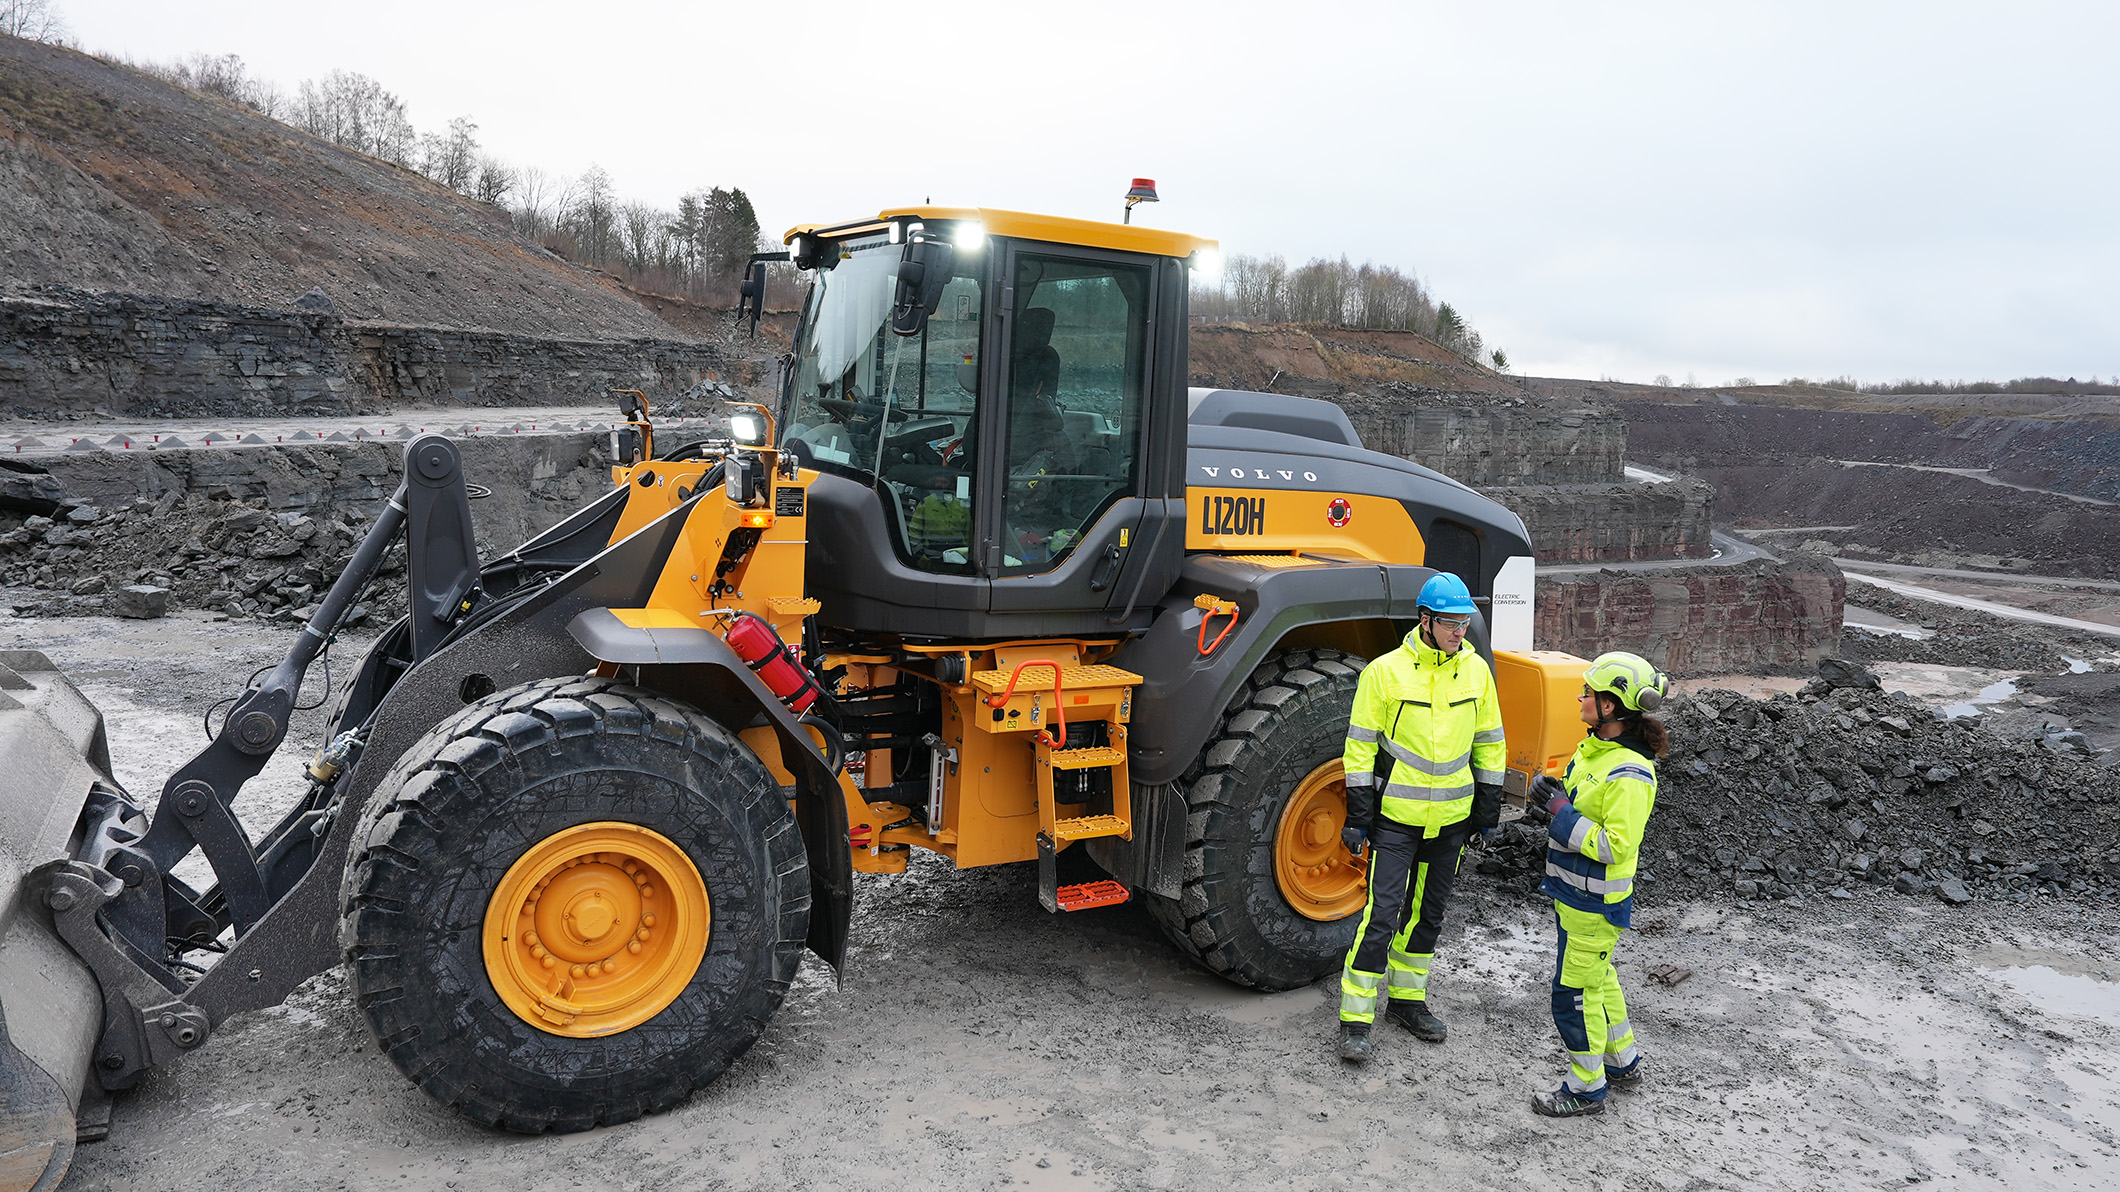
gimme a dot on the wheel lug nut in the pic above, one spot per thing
(538, 951)
(642, 934)
(647, 891)
(576, 970)
(610, 964)
(549, 961)
(647, 920)
(634, 947)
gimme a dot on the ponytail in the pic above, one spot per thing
(1652, 732)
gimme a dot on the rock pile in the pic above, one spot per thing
(1844, 787)
(229, 556)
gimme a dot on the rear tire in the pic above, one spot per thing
(481, 792)
(1288, 720)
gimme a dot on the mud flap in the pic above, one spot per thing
(1154, 860)
(822, 815)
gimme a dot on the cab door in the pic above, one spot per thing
(1067, 464)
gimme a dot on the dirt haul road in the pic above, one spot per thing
(980, 1043)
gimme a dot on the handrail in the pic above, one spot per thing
(1059, 712)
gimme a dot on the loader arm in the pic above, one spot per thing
(114, 901)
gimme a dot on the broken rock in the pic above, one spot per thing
(142, 601)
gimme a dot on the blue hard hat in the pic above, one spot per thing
(1446, 593)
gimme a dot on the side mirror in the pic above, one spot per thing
(922, 273)
(751, 295)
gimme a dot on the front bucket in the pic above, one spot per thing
(52, 751)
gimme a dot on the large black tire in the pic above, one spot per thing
(469, 799)
(1288, 719)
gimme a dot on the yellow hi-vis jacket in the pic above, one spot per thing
(1426, 727)
(1593, 845)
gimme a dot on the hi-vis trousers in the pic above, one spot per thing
(1410, 877)
(1588, 1006)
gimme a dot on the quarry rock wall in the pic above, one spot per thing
(1698, 620)
(535, 479)
(1630, 521)
(1489, 442)
(130, 355)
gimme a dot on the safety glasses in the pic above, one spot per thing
(1454, 624)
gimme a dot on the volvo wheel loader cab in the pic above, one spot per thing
(988, 582)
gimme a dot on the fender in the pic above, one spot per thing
(1181, 704)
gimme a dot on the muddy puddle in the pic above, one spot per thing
(2054, 991)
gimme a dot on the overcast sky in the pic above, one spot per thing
(1920, 189)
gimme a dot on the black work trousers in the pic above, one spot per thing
(1410, 879)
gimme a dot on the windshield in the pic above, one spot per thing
(890, 410)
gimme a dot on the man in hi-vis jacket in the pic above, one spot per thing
(1425, 737)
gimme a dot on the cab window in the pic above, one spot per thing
(893, 411)
(1078, 346)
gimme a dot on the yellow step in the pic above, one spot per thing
(1094, 757)
(1088, 827)
(1039, 677)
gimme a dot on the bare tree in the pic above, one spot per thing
(496, 180)
(33, 20)
(591, 217)
(350, 109)
(451, 158)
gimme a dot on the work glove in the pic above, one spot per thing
(1354, 838)
(1548, 790)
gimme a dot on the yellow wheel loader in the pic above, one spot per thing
(989, 582)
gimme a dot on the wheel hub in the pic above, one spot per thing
(1315, 872)
(595, 929)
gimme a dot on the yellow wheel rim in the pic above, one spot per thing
(1316, 874)
(595, 929)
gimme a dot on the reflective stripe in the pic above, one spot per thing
(1407, 757)
(1618, 1030)
(1604, 847)
(1590, 885)
(1358, 995)
(1409, 977)
(1581, 834)
(1487, 736)
(1630, 770)
(1581, 1062)
(1361, 781)
(1432, 794)
(1356, 732)
(1623, 1058)
(1490, 777)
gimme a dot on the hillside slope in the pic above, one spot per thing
(112, 180)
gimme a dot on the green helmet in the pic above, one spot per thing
(1628, 678)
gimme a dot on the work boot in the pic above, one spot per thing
(1354, 1042)
(1627, 1079)
(1561, 1103)
(1414, 1016)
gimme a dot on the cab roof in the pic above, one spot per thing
(1023, 225)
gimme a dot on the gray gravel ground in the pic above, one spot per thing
(977, 1042)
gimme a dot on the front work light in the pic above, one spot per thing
(1207, 267)
(748, 429)
(971, 237)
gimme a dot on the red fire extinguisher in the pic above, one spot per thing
(762, 650)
